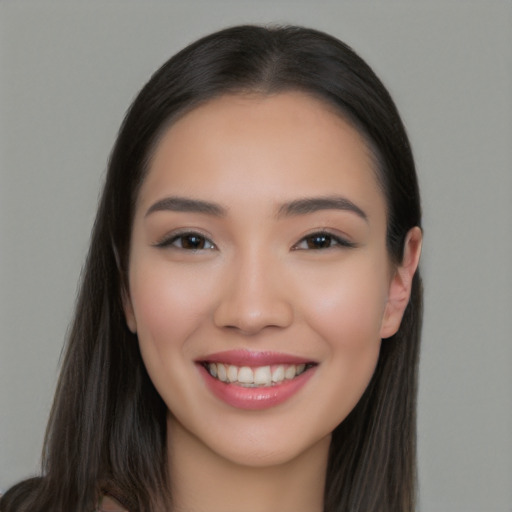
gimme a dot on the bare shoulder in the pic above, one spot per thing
(109, 504)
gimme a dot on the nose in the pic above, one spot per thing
(253, 298)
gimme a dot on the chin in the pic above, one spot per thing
(265, 442)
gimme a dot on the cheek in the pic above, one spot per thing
(347, 304)
(169, 305)
(346, 314)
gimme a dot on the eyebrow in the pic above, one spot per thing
(183, 204)
(315, 204)
(293, 208)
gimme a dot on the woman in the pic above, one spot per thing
(247, 330)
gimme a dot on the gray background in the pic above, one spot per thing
(68, 72)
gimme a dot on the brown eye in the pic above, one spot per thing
(188, 242)
(192, 242)
(322, 240)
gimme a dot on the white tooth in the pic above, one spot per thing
(300, 368)
(262, 375)
(232, 373)
(290, 372)
(212, 367)
(278, 374)
(245, 375)
(221, 373)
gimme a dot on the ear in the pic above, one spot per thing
(128, 311)
(401, 284)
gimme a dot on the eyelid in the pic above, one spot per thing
(169, 239)
(340, 241)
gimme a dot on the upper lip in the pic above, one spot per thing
(253, 358)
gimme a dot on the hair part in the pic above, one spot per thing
(107, 425)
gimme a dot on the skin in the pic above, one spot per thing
(257, 282)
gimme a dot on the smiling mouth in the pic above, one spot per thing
(255, 377)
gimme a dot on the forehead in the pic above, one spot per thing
(272, 145)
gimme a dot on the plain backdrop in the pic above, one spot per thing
(69, 70)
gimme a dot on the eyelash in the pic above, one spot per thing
(199, 245)
(171, 241)
(332, 240)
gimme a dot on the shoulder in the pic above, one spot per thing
(109, 504)
(20, 495)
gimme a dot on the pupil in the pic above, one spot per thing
(193, 242)
(319, 242)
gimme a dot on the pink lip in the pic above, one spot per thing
(254, 398)
(253, 358)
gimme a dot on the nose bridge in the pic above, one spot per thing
(254, 296)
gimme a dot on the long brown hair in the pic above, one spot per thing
(107, 425)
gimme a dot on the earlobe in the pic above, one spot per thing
(401, 284)
(128, 311)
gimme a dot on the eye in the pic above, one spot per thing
(188, 242)
(322, 240)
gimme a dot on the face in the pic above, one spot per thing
(259, 282)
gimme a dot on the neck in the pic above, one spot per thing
(204, 481)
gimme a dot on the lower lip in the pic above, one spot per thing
(255, 398)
